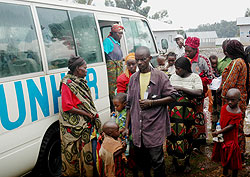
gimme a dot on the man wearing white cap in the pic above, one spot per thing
(180, 49)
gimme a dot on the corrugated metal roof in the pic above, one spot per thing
(243, 21)
(157, 25)
(202, 34)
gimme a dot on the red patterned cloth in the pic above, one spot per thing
(236, 79)
(228, 152)
(193, 42)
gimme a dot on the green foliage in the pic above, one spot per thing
(160, 15)
(134, 5)
(223, 29)
(247, 13)
(89, 2)
(81, 1)
(109, 3)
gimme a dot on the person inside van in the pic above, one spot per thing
(114, 58)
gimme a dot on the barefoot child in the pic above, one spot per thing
(228, 152)
(112, 151)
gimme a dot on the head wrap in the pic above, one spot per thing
(183, 63)
(193, 42)
(130, 56)
(116, 28)
(74, 62)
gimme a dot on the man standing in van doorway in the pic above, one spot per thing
(149, 92)
(180, 49)
(114, 58)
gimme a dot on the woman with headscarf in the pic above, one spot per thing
(236, 75)
(202, 66)
(123, 79)
(183, 113)
(79, 123)
(114, 58)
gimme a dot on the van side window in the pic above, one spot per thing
(138, 34)
(86, 36)
(19, 50)
(57, 36)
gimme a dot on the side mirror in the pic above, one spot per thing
(164, 44)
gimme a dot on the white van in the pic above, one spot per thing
(37, 37)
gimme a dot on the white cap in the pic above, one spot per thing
(178, 36)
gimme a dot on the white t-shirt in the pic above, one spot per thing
(191, 82)
(180, 52)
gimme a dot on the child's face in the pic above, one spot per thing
(161, 61)
(131, 65)
(118, 105)
(232, 100)
(171, 60)
(214, 62)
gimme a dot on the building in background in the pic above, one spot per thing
(163, 31)
(244, 24)
(207, 38)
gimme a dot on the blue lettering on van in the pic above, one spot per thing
(7, 124)
(42, 98)
(56, 93)
(92, 83)
(36, 97)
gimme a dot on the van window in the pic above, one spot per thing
(138, 34)
(19, 50)
(86, 36)
(57, 36)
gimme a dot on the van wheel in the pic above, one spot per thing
(49, 161)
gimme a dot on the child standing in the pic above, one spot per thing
(120, 101)
(214, 105)
(112, 151)
(228, 152)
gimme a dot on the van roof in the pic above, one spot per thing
(115, 10)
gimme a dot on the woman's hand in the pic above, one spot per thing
(91, 116)
(215, 133)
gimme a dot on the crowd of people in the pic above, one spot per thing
(153, 107)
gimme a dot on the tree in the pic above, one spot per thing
(161, 15)
(247, 13)
(89, 2)
(109, 3)
(134, 5)
(223, 29)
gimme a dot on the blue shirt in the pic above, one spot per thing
(108, 44)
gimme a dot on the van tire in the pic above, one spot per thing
(49, 160)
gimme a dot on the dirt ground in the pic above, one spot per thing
(201, 164)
